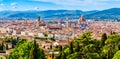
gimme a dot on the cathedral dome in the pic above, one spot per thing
(81, 19)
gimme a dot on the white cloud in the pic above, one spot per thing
(2, 4)
(63, 2)
(13, 4)
(84, 4)
(78, 2)
(36, 8)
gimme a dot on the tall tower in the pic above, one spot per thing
(60, 23)
(67, 22)
(38, 21)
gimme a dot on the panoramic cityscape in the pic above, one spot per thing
(59, 29)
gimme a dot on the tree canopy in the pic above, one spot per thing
(26, 50)
(85, 47)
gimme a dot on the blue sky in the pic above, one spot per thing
(85, 5)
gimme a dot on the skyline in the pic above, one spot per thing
(85, 5)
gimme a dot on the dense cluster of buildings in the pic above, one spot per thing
(24, 28)
(63, 31)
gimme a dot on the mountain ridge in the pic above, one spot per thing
(113, 13)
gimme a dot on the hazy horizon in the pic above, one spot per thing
(41, 5)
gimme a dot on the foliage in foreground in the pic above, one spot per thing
(86, 47)
(27, 50)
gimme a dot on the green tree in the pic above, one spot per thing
(36, 52)
(112, 32)
(52, 55)
(20, 41)
(111, 46)
(60, 48)
(77, 47)
(92, 56)
(24, 50)
(2, 46)
(21, 52)
(63, 56)
(46, 35)
(71, 47)
(51, 47)
(117, 55)
(53, 39)
(85, 47)
(76, 55)
(7, 39)
(6, 46)
(59, 56)
(103, 38)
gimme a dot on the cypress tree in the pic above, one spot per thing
(6, 46)
(63, 56)
(71, 48)
(60, 48)
(2, 48)
(35, 52)
(50, 46)
(52, 55)
(59, 56)
(112, 32)
(103, 38)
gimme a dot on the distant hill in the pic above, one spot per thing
(6, 13)
(44, 14)
(113, 13)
